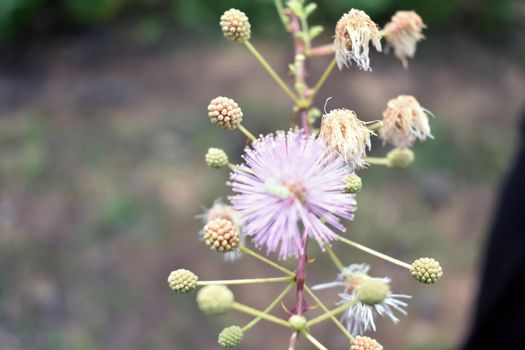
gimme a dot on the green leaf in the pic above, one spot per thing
(316, 31)
(310, 8)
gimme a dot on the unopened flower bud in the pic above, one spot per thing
(426, 270)
(353, 184)
(182, 281)
(235, 25)
(221, 235)
(216, 158)
(297, 322)
(230, 337)
(215, 299)
(400, 158)
(225, 113)
(373, 291)
(365, 343)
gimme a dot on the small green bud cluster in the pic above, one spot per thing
(426, 270)
(373, 291)
(353, 184)
(216, 158)
(182, 281)
(365, 343)
(400, 158)
(215, 299)
(230, 337)
(221, 235)
(235, 25)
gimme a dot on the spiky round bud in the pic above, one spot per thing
(297, 322)
(426, 270)
(353, 184)
(215, 299)
(230, 337)
(235, 25)
(221, 235)
(216, 158)
(182, 281)
(225, 113)
(365, 343)
(400, 158)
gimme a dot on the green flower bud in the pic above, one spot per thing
(182, 281)
(235, 26)
(215, 299)
(216, 158)
(230, 337)
(297, 322)
(426, 270)
(372, 291)
(353, 184)
(400, 158)
(365, 343)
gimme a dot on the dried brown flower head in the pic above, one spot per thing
(403, 33)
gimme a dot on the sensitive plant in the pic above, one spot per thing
(299, 185)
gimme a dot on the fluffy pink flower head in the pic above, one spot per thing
(289, 183)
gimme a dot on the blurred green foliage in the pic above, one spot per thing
(22, 16)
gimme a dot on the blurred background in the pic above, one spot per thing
(103, 131)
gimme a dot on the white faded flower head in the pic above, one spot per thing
(404, 121)
(353, 34)
(346, 135)
(403, 33)
(372, 295)
(220, 210)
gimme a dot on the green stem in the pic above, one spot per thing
(247, 133)
(330, 314)
(245, 250)
(334, 258)
(314, 341)
(271, 71)
(375, 253)
(333, 318)
(374, 125)
(282, 16)
(323, 78)
(270, 307)
(306, 33)
(254, 312)
(246, 281)
(377, 160)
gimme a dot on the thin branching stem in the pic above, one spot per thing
(270, 307)
(323, 79)
(246, 281)
(326, 310)
(247, 133)
(280, 10)
(271, 71)
(314, 341)
(250, 252)
(335, 259)
(330, 314)
(258, 313)
(374, 252)
(377, 160)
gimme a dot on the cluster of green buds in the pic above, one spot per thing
(348, 139)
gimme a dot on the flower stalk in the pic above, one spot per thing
(246, 281)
